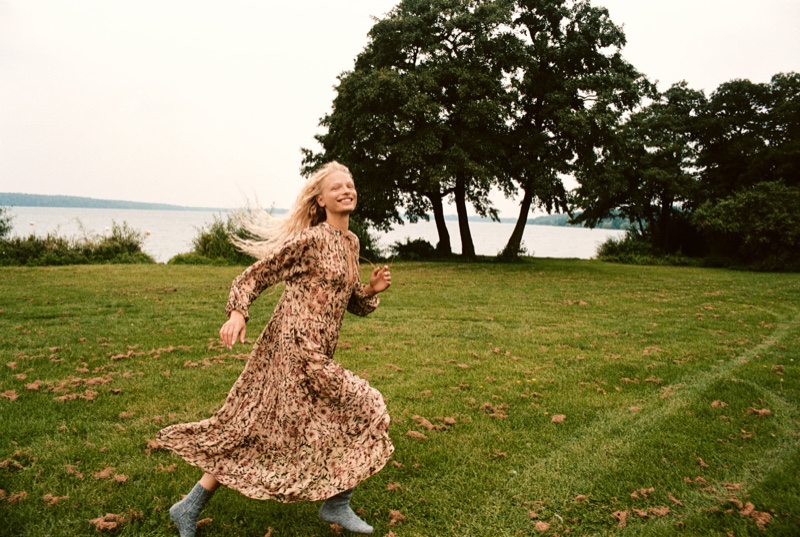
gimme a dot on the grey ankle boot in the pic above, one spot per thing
(336, 510)
(186, 512)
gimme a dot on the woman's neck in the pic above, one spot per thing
(340, 221)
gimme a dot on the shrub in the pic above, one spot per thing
(212, 245)
(413, 250)
(758, 227)
(123, 245)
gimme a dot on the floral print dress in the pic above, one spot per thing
(295, 425)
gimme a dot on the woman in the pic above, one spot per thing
(296, 425)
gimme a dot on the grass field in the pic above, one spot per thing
(549, 397)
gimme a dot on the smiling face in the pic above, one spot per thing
(338, 194)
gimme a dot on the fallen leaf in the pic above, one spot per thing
(34, 386)
(10, 395)
(391, 487)
(16, 498)
(541, 526)
(622, 518)
(718, 404)
(51, 500)
(558, 418)
(105, 473)
(204, 522)
(422, 422)
(660, 511)
(395, 517)
(701, 462)
(417, 435)
(674, 500)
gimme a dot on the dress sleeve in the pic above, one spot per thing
(283, 264)
(360, 304)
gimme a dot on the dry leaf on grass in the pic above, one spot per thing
(660, 511)
(108, 522)
(417, 435)
(10, 395)
(541, 526)
(204, 522)
(422, 422)
(16, 498)
(391, 487)
(640, 513)
(34, 386)
(718, 404)
(105, 473)
(51, 500)
(73, 470)
(701, 462)
(759, 411)
(622, 518)
(558, 418)
(642, 493)
(674, 500)
(395, 517)
(152, 445)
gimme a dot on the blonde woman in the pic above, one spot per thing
(296, 425)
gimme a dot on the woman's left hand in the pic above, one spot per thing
(379, 280)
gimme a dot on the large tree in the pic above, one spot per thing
(427, 103)
(571, 87)
(751, 134)
(647, 172)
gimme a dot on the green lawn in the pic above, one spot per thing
(556, 397)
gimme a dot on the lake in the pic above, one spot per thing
(171, 232)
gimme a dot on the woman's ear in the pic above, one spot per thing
(319, 202)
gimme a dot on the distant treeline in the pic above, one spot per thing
(11, 199)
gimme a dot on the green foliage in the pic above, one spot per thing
(682, 380)
(759, 226)
(413, 250)
(369, 248)
(122, 245)
(451, 99)
(634, 249)
(6, 222)
(212, 245)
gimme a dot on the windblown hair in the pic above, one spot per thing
(263, 233)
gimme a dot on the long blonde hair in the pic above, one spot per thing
(264, 233)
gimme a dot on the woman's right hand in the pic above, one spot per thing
(233, 329)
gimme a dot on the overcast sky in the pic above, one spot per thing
(201, 103)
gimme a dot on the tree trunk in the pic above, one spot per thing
(460, 192)
(514, 244)
(443, 246)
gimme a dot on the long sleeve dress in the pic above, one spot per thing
(295, 425)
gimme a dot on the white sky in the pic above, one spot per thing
(201, 103)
